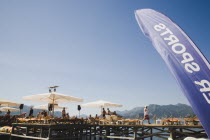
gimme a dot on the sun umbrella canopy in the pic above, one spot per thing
(101, 104)
(9, 108)
(52, 97)
(45, 107)
(5, 102)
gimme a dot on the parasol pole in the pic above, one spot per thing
(54, 88)
(101, 110)
(53, 100)
(53, 106)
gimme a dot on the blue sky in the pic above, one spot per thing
(92, 49)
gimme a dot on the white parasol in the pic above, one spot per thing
(53, 98)
(101, 104)
(9, 108)
(8, 103)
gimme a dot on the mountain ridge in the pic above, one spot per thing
(160, 111)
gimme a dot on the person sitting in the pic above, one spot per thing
(6, 116)
(73, 117)
(38, 115)
(96, 117)
(90, 117)
(23, 115)
(67, 115)
(42, 114)
(108, 111)
(91, 120)
(45, 113)
(114, 113)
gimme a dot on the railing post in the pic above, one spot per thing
(107, 131)
(134, 133)
(41, 132)
(172, 135)
(27, 130)
(50, 132)
(151, 133)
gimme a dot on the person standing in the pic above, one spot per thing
(64, 113)
(8, 113)
(146, 116)
(103, 113)
(108, 111)
(31, 112)
(114, 113)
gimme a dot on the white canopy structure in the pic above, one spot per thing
(9, 108)
(8, 103)
(52, 98)
(45, 107)
(101, 104)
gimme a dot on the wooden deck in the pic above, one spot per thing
(92, 131)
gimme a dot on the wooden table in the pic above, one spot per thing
(170, 122)
(192, 121)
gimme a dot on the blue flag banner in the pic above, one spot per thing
(188, 65)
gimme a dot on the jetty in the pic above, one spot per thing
(79, 128)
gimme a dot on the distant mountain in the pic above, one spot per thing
(160, 111)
